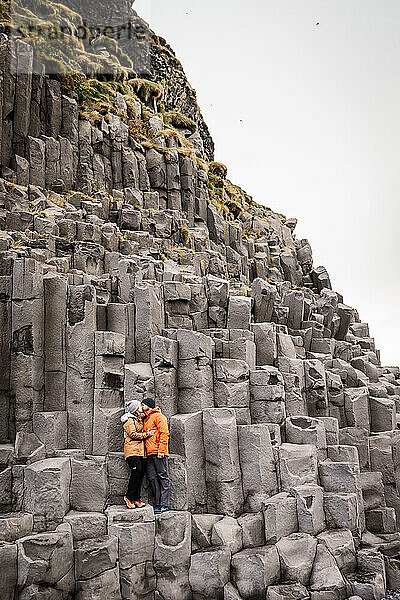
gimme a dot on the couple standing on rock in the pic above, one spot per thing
(146, 437)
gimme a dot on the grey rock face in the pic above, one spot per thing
(120, 280)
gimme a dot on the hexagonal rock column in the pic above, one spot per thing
(8, 572)
(227, 533)
(177, 296)
(280, 517)
(149, 317)
(296, 554)
(164, 362)
(195, 376)
(310, 508)
(121, 319)
(81, 326)
(94, 556)
(187, 441)
(172, 555)
(51, 429)
(267, 396)
(135, 531)
(266, 344)
(239, 312)
(47, 559)
(209, 572)
(6, 423)
(55, 321)
(306, 430)
(15, 525)
(89, 486)
(27, 341)
(139, 382)
(231, 383)
(218, 294)
(326, 578)
(343, 478)
(316, 393)
(341, 545)
(108, 399)
(47, 492)
(106, 584)
(223, 476)
(257, 464)
(253, 570)
(263, 295)
(297, 465)
(292, 370)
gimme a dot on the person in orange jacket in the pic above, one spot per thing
(157, 454)
(134, 451)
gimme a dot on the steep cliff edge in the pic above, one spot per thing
(131, 266)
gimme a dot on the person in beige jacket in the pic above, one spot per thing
(134, 452)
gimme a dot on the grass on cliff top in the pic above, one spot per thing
(51, 28)
(81, 64)
(224, 195)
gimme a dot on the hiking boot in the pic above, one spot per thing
(140, 504)
(129, 503)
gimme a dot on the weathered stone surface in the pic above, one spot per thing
(136, 540)
(51, 429)
(195, 377)
(107, 583)
(47, 491)
(15, 525)
(257, 465)
(310, 508)
(227, 533)
(88, 484)
(209, 572)
(187, 441)
(172, 555)
(291, 591)
(306, 430)
(223, 475)
(265, 338)
(340, 544)
(8, 573)
(341, 510)
(94, 556)
(254, 570)
(296, 554)
(46, 557)
(252, 525)
(202, 527)
(298, 465)
(280, 517)
(86, 525)
(326, 576)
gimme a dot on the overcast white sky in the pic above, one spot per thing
(307, 116)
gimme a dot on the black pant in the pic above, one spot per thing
(136, 465)
(158, 476)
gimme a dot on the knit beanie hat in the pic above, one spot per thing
(133, 406)
(149, 402)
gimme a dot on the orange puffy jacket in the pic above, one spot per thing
(159, 441)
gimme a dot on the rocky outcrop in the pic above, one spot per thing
(120, 279)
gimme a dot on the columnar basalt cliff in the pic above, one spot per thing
(131, 266)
